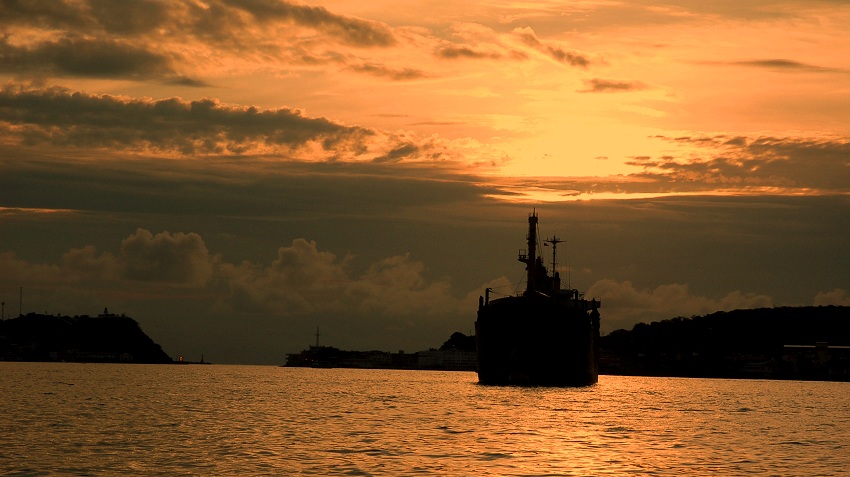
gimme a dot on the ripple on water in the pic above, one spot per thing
(244, 420)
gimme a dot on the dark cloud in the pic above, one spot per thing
(572, 58)
(180, 259)
(569, 57)
(454, 52)
(353, 31)
(84, 57)
(305, 280)
(399, 153)
(245, 187)
(130, 17)
(786, 65)
(223, 21)
(806, 165)
(56, 116)
(48, 14)
(394, 74)
(186, 81)
(597, 85)
(147, 39)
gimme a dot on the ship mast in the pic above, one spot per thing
(530, 259)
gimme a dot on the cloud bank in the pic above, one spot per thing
(301, 279)
(127, 39)
(304, 281)
(58, 117)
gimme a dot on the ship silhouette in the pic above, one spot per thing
(545, 336)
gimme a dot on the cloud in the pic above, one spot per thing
(301, 280)
(147, 267)
(528, 37)
(137, 17)
(481, 42)
(403, 74)
(16, 269)
(397, 286)
(81, 264)
(217, 187)
(304, 280)
(343, 172)
(794, 165)
(353, 31)
(399, 153)
(597, 85)
(779, 64)
(221, 21)
(454, 52)
(87, 57)
(166, 40)
(568, 57)
(179, 259)
(630, 305)
(56, 116)
(837, 297)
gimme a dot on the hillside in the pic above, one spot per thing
(105, 338)
(787, 342)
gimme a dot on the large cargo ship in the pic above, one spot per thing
(545, 336)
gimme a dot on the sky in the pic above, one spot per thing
(234, 174)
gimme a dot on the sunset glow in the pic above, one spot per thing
(222, 148)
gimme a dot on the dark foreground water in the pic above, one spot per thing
(107, 420)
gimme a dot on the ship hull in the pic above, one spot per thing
(537, 341)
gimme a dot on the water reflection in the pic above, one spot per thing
(243, 420)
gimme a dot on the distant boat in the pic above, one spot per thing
(546, 336)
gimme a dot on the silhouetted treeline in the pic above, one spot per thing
(785, 343)
(460, 342)
(105, 338)
(456, 354)
(331, 357)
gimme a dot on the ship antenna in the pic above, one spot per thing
(317, 337)
(554, 241)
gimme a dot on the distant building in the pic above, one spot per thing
(818, 361)
(450, 359)
(330, 357)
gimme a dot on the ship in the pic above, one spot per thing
(544, 336)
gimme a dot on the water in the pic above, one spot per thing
(106, 420)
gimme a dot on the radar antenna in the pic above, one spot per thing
(554, 241)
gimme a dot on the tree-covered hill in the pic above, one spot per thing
(105, 338)
(785, 342)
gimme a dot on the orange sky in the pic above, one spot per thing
(391, 139)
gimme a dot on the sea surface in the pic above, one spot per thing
(217, 420)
